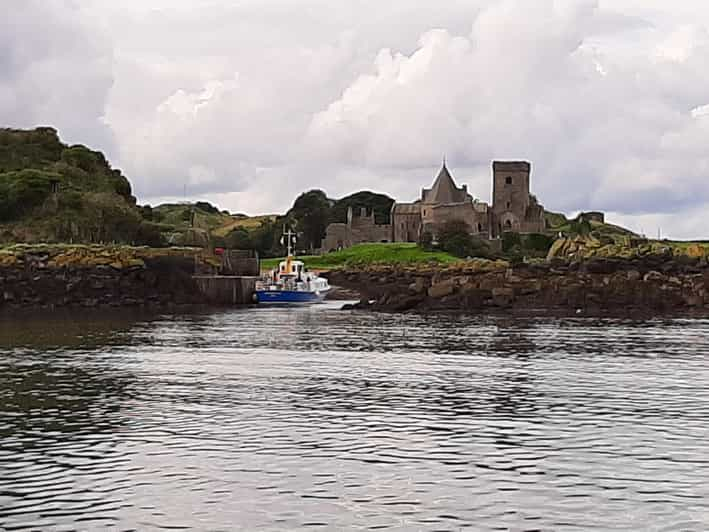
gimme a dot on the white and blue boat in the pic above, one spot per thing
(291, 282)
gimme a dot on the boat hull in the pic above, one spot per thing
(288, 296)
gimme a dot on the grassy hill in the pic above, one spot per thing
(53, 192)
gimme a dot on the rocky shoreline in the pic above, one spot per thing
(639, 287)
(55, 277)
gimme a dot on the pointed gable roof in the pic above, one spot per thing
(444, 189)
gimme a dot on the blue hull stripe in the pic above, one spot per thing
(287, 296)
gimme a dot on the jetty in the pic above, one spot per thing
(235, 281)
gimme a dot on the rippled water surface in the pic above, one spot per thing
(282, 419)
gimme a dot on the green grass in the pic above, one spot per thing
(365, 254)
(233, 223)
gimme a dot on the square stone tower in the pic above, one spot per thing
(510, 194)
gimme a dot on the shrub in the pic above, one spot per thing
(207, 207)
(22, 191)
(81, 157)
(538, 242)
(149, 234)
(511, 240)
(455, 238)
(239, 239)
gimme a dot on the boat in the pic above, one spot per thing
(291, 282)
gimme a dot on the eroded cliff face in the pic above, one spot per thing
(615, 287)
(90, 276)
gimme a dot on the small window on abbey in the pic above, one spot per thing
(509, 205)
(508, 180)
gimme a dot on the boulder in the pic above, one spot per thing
(633, 275)
(653, 276)
(502, 296)
(442, 289)
(419, 286)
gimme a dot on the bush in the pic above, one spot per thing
(511, 240)
(239, 239)
(121, 185)
(71, 200)
(22, 191)
(81, 157)
(455, 238)
(538, 242)
(149, 234)
(207, 207)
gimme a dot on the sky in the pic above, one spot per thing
(246, 103)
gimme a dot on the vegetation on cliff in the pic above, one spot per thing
(50, 191)
(118, 257)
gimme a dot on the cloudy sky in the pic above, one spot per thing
(248, 102)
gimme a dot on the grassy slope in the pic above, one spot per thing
(93, 201)
(178, 216)
(242, 222)
(365, 254)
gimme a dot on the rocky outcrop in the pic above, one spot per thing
(93, 276)
(652, 285)
(587, 247)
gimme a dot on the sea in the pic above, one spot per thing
(315, 418)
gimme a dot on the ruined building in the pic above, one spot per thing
(358, 229)
(513, 209)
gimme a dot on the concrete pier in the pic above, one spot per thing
(227, 289)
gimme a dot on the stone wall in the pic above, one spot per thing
(651, 286)
(407, 224)
(365, 229)
(435, 217)
(358, 230)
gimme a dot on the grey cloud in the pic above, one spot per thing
(55, 69)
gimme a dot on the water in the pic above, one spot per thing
(283, 419)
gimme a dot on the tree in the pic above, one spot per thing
(311, 215)
(239, 239)
(379, 204)
(455, 237)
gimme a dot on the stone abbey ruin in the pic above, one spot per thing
(513, 209)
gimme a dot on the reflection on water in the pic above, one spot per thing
(282, 419)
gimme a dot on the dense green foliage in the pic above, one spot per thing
(555, 219)
(23, 190)
(310, 216)
(455, 238)
(517, 247)
(53, 192)
(379, 204)
(367, 254)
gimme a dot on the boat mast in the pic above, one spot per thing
(289, 236)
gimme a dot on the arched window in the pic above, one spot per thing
(509, 205)
(508, 224)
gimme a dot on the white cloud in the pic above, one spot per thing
(249, 103)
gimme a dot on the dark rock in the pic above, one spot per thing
(502, 296)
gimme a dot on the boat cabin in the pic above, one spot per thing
(291, 267)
